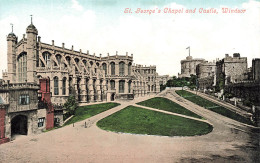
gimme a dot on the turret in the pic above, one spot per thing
(11, 64)
(32, 33)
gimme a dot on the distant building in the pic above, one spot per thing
(231, 69)
(149, 74)
(163, 79)
(206, 75)
(188, 66)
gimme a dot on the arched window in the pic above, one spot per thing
(47, 58)
(129, 86)
(85, 62)
(70, 85)
(121, 68)
(129, 68)
(68, 59)
(112, 84)
(22, 67)
(77, 61)
(64, 86)
(104, 67)
(56, 85)
(112, 64)
(121, 86)
(58, 58)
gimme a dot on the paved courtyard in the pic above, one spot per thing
(230, 141)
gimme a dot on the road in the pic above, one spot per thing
(230, 141)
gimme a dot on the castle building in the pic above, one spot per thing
(89, 77)
(231, 69)
(188, 66)
(206, 75)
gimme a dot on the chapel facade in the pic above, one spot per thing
(89, 78)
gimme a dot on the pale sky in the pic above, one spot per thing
(157, 39)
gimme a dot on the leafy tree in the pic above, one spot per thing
(162, 87)
(71, 105)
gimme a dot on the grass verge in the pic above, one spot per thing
(213, 107)
(142, 121)
(168, 105)
(84, 112)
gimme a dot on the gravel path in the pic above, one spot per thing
(230, 141)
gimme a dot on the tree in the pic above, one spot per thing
(71, 105)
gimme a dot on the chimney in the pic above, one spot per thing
(52, 42)
(63, 45)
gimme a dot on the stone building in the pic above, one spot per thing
(248, 89)
(206, 75)
(188, 66)
(163, 79)
(256, 69)
(231, 69)
(89, 77)
(148, 74)
(20, 113)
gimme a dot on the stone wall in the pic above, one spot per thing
(245, 90)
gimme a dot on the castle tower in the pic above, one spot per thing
(11, 59)
(32, 33)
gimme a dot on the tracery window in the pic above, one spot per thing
(56, 85)
(112, 68)
(121, 86)
(129, 86)
(64, 86)
(121, 68)
(47, 58)
(22, 67)
(104, 67)
(129, 68)
(112, 84)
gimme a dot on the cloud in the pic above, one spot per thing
(76, 5)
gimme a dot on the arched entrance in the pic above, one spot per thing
(19, 125)
(113, 97)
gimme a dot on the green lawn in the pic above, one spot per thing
(212, 106)
(84, 112)
(168, 105)
(142, 121)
